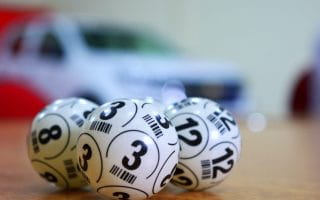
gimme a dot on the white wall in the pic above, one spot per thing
(271, 41)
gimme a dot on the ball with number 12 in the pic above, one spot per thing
(210, 142)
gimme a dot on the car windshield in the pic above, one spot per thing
(110, 38)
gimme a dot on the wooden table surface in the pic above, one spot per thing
(281, 162)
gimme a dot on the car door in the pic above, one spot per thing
(51, 66)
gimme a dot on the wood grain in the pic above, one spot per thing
(281, 162)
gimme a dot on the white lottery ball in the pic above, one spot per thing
(128, 149)
(210, 143)
(52, 141)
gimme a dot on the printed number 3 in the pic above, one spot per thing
(85, 157)
(166, 124)
(113, 110)
(137, 155)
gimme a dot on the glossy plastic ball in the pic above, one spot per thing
(52, 141)
(128, 149)
(209, 143)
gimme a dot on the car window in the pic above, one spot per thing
(51, 47)
(109, 40)
(102, 38)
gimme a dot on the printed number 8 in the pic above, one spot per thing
(46, 135)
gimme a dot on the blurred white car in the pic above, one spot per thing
(58, 57)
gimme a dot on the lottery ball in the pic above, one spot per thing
(128, 149)
(52, 141)
(209, 142)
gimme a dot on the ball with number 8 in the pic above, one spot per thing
(52, 141)
(209, 142)
(128, 149)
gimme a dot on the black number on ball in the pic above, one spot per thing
(121, 195)
(226, 121)
(166, 124)
(85, 157)
(113, 110)
(87, 113)
(49, 177)
(137, 155)
(46, 135)
(224, 157)
(190, 124)
(182, 180)
(167, 178)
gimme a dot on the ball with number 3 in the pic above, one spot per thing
(52, 141)
(128, 149)
(209, 142)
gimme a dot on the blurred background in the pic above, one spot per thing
(256, 58)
